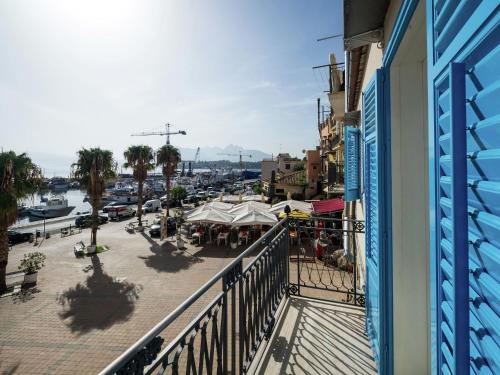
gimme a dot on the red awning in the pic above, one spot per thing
(327, 206)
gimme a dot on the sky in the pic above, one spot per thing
(89, 73)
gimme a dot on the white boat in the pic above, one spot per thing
(54, 207)
(124, 197)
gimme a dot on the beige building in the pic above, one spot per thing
(298, 177)
(332, 134)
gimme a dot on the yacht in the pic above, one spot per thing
(54, 207)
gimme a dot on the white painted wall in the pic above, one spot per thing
(410, 205)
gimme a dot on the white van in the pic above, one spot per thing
(152, 205)
(120, 212)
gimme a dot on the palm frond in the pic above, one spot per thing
(19, 178)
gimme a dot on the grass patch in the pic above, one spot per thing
(101, 249)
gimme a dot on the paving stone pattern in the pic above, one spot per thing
(84, 312)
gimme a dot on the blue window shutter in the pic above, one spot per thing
(377, 314)
(464, 84)
(352, 173)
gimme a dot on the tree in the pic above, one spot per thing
(178, 195)
(168, 157)
(19, 178)
(93, 168)
(141, 159)
(257, 189)
(298, 167)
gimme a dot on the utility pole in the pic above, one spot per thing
(319, 122)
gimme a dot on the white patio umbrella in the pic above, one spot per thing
(248, 207)
(211, 216)
(223, 206)
(254, 218)
(252, 197)
(294, 205)
(231, 198)
(206, 206)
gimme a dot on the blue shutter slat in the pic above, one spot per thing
(485, 225)
(485, 256)
(484, 134)
(484, 196)
(460, 14)
(484, 163)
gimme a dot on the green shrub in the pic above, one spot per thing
(32, 262)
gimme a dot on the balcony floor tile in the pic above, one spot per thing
(317, 337)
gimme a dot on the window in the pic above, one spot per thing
(287, 166)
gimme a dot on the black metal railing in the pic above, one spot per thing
(324, 258)
(226, 334)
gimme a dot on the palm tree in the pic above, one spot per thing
(93, 168)
(19, 178)
(141, 159)
(168, 157)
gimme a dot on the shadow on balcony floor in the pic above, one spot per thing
(317, 337)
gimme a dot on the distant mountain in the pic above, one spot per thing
(60, 165)
(212, 153)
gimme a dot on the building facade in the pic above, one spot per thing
(288, 175)
(331, 132)
(424, 76)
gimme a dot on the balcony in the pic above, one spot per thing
(293, 308)
(317, 337)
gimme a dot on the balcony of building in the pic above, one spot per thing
(296, 306)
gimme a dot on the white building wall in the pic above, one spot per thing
(410, 203)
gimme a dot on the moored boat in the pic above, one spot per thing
(54, 207)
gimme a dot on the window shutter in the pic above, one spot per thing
(464, 82)
(377, 314)
(352, 175)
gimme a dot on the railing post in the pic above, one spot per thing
(242, 328)
(225, 282)
(298, 263)
(287, 258)
(233, 329)
(355, 265)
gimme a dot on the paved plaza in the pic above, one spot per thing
(84, 312)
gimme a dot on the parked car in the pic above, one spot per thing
(213, 194)
(18, 237)
(120, 212)
(109, 205)
(201, 194)
(155, 228)
(152, 205)
(85, 221)
(191, 198)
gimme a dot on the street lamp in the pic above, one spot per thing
(43, 212)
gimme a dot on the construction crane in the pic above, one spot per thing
(167, 132)
(241, 157)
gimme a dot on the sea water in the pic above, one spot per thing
(74, 197)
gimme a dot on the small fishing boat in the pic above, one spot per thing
(54, 207)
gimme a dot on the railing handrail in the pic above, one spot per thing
(118, 363)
